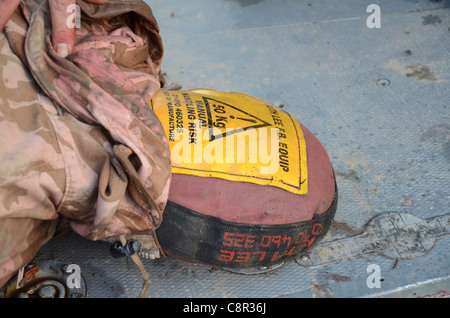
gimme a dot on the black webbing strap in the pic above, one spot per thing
(209, 240)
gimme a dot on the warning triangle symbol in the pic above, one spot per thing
(222, 115)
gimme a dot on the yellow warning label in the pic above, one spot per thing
(233, 136)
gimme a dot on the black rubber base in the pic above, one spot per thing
(209, 240)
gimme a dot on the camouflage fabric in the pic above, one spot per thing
(78, 141)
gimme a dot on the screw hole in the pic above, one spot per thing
(383, 82)
(280, 104)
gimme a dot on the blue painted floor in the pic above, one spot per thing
(378, 100)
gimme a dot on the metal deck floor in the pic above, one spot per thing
(377, 99)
